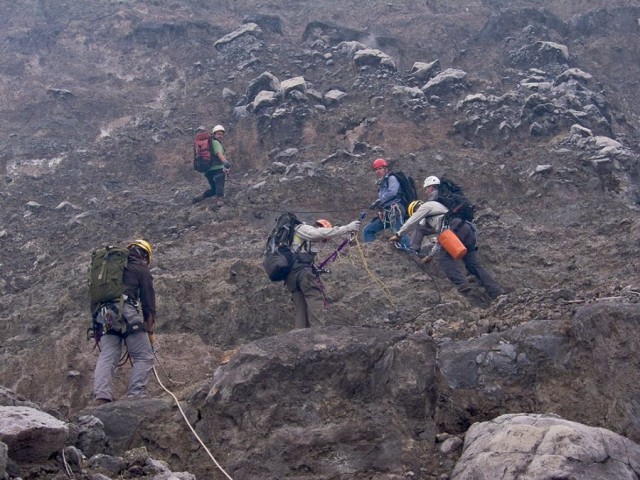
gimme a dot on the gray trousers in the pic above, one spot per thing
(417, 236)
(139, 349)
(308, 298)
(452, 270)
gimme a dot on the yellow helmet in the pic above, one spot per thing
(413, 206)
(143, 244)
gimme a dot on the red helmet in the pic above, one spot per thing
(323, 223)
(380, 162)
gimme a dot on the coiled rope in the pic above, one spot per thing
(189, 425)
(379, 282)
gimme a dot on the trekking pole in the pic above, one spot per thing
(344, 243)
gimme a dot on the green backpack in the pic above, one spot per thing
(105, 275)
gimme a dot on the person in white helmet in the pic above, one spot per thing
(425, 218)
(217, 173)
(429, 219)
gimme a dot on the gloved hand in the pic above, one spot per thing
(353, 226)
(226, 165)
(394, 238)
(427, 259)
(374, 205)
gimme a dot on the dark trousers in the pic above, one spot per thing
(216, 180)
(451, 268)
(308, 298)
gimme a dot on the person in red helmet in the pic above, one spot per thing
(388, 204)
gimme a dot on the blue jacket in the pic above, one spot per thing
(389, 191)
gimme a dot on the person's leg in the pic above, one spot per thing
(110, 348)
(452, 270)
(372, 228)
(300, 319)
(218, 181)
(139, 348)
(142, 358)
(211, 178)
(415, 239)
(472, 264)
(311, 288)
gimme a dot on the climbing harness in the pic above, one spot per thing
(189, 425)
(391, 217)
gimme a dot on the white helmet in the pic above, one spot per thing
(217, 128)
(431, 181)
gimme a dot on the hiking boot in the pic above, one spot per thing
(197, 199)
(100, 401)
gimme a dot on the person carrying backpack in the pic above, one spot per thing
(304, 279)
(130, 321)
(389, 203)
(215, 171)
(432, 217)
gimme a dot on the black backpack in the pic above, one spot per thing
(452, 197)
(407, 190)
(278, 257)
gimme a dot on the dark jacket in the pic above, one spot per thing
(138, 284)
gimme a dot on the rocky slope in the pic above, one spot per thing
(531, 108)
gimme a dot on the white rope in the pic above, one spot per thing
(189, 425)
(67, 469)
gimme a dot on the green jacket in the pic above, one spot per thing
(216, 148)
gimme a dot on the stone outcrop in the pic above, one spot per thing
(515, 446)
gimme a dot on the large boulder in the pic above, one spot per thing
(31, 435)
(322, 402)
(532, 446)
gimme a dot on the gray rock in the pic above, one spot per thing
(422, 71)
(4, 458)
(108, 463)
(295, 83)
(545, 446)
(353, 370)
(30, 434)
(374, 57)
(247, 29)
(334, 96)
(444, 81)
(264, 99)
(91, 436)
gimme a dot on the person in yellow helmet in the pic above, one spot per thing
(428, 219)
(134, 328)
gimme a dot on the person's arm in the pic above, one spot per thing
(314, 234)
(147, 296)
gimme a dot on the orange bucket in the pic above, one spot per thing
(452, 244)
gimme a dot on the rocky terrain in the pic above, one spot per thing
(531, 106)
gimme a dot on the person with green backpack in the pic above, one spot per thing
(127, 318)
